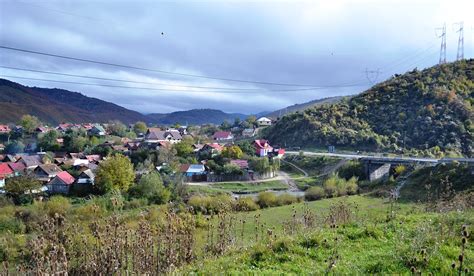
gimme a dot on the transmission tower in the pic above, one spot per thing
(372, 75)
(442, 53)
(460, 54)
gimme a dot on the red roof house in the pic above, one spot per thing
(5, 170)
(61, 183)
(4, 129)
(223, 135)
(262, 147)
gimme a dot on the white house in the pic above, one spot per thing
(264, 121)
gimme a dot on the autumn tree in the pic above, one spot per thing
(233, 152)
(116, 173)
(140, 128)
(29, 123)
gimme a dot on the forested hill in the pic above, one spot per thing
(424, 112)
(58, 105)
(195, 117)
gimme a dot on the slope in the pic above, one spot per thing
(58, 105)
(426, 112)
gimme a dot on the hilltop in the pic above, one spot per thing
(302, 106)
(58, 105)
(195, 117)
(423, 112)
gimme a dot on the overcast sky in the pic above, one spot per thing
(323, 44)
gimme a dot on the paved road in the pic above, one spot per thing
(386, 158)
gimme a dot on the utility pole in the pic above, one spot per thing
(442, 53)
(460, 53)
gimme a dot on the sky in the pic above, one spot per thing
(236, 56)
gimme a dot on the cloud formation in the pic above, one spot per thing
(323, 43)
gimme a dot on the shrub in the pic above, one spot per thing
(245, 204)
(267, 199)
(57, 204)
(151, 188)
(135, 203)
(11, 224)
(330, 187)
(314, 193)
(351, 186)
(286, 199)
(210, 204)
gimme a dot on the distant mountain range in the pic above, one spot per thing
(58, 105)
(195, 117)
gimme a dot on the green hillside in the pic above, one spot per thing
(58, 105)
(423, 112)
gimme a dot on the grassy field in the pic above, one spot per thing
(367, 243)
(239, 187)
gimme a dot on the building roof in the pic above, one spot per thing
(158, 134)
(222, 135)
(243, 164)
(215, 146)
(87, 174)
(50, 169)
(17, 167)
(65, 177)
(263, 119)
(31, 160)
(262, 144)
(184, 168)
(4, 128)
(93, 158)
(5, 169)
(196, 168)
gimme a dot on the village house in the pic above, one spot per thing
(262, 147)
(264, 121)
(86, 177)
(249, 132)
(96, 130)
(18, 168)
(156, 135)
(241, 163)
(61, 183)
(223, 136)
(46, 172)
(4, 129)
(31, 162)
(5, 172)
(211, 149)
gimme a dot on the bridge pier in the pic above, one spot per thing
(377, 171)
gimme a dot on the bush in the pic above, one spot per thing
(57, 204)
(286, 199)
(245, 204)
(210, 204)
(351, 186)
(151, 188)
(12, 225)
(314, 193)
(267, 199)
(330, 187)
(135, 203)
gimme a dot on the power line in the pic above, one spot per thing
(153, 89)
(154, 70)
(172, 85)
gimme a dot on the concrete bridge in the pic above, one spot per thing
(379, 166)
